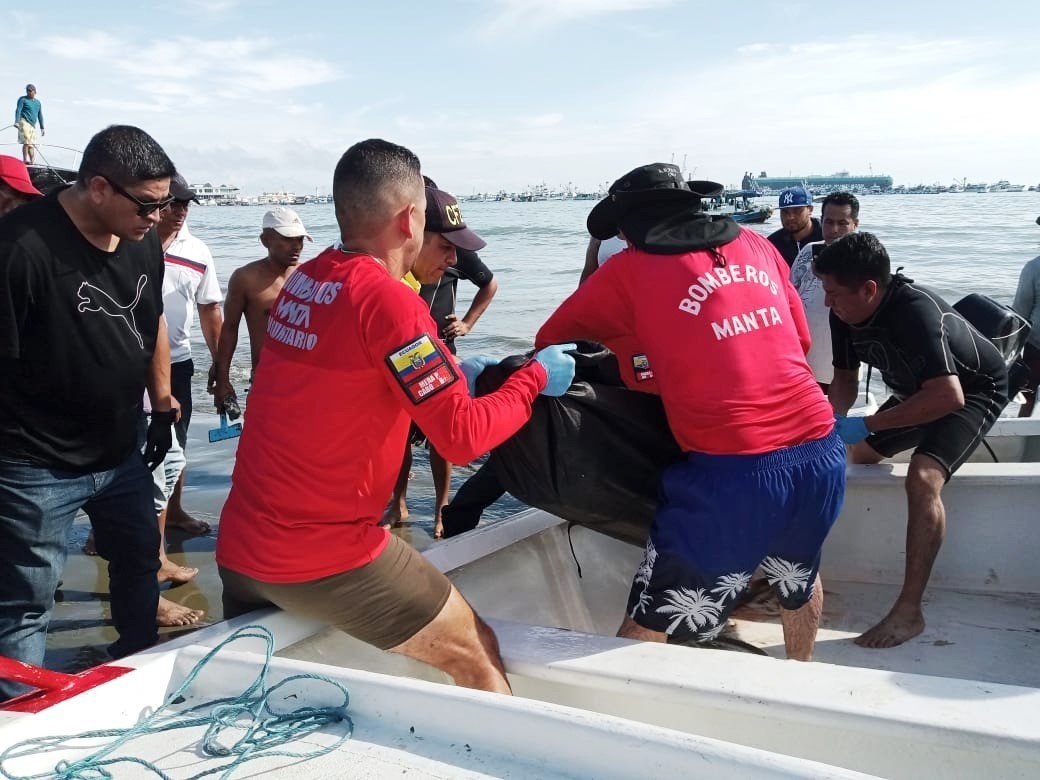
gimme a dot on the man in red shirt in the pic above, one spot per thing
(350, 357)
(705, 314)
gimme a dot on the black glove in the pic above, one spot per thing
(159, 439)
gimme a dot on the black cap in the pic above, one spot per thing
(654, 183)
(443, 216)
(180, 190)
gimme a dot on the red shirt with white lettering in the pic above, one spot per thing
(723, 336)
(350, 355)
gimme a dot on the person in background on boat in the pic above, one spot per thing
(840, 213)
(800, 227)
(723, 335)
(1027, 303)
(949, 384)
(252, 290)
(28, 112)
(598, 252)
(356, 357)
(448, 254)
(16, 188)
(81, 337)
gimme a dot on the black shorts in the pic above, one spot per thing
(180, 385)
(951, 439)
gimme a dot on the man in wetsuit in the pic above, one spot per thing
(949, 385)
(704, 310)
(354, 355)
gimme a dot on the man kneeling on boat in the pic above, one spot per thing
(722, 334)
(356, 358)
(949, 385)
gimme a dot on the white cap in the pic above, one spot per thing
(286, 222)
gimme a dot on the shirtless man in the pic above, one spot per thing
(252, 290)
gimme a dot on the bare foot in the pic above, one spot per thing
(178, 575)
(88, 546)
(187, 523)
(438, 528)
(394, 516)
(171, 614)
(899, 625)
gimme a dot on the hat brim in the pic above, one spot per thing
(705, 188)
(603, 221)
(465, 239)
(292, 233)
(23, 186)
(793, 206)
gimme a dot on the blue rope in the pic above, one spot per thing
(253, 711)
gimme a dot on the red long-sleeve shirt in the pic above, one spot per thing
(350, 355)
(722, 340)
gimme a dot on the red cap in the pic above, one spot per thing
(15, 175)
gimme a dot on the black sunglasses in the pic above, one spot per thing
(144, 208)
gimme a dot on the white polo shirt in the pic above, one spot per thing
(817, 315)
(190, 280)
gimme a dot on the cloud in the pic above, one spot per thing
(512, 16)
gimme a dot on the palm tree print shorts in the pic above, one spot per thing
(720, 517)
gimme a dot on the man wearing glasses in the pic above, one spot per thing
(81, 338)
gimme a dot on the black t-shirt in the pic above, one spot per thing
(915, 336)
(441, 298)
(77, 332)
(790, 248)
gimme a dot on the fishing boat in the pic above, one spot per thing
(958, 701)
(338, 722)
(739, 206)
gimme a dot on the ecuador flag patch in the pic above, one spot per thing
(421, 368)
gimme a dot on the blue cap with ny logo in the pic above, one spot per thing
(795, 196)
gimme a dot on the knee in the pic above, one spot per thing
(924, 481)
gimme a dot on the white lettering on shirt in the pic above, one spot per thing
(712, 280)
(746, 322)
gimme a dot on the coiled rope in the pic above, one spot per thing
(252, 711)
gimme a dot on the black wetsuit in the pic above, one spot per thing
(913, 337)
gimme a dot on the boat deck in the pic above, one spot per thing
(989, 637)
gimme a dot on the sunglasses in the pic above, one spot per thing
(144, 208)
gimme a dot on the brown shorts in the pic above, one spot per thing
(384, 603)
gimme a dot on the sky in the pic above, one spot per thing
(504, 94)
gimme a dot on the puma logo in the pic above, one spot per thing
(93, 298)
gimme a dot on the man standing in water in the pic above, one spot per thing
(355, 356)
(81, 336)
(800, 227)
(449, 253)
(27, 114)
(949, 384)
(252, 290)
(840, 212)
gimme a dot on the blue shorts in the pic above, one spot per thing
(720, 517)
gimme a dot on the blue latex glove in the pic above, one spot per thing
(472, 367)
(559, 367)
(852, 430)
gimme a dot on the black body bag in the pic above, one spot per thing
(1005, 327)
(593, 456)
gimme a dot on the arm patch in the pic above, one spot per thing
(421, 368)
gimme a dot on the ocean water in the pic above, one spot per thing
(955, 243)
